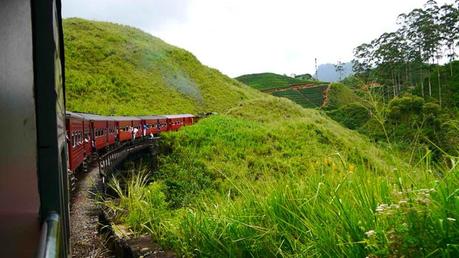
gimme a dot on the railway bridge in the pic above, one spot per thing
(84, 213)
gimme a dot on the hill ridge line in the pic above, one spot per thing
(293, 87)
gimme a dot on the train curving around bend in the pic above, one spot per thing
(89, 134)
(40, 141)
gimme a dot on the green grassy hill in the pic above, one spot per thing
(269, 178)
(116, 69)
(307, 98)
(264, 81)
(266, 178)
(340, 95)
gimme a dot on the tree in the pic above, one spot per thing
(407, 56)
(339, 68)
(449, 29)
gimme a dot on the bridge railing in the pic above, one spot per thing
(110, 160)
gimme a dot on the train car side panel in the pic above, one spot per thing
(75, 142)
(99, 132)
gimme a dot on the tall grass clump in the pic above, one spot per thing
(244, 184)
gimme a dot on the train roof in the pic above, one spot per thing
(152, 117)
(73, 114)
(95, 117)
(125, 118)
(179, 116)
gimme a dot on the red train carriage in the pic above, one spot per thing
(162, 124)
(75, 140)
(124, 126)
(87, 140)
(137, 127)
(99, 130)
(152, 124)
(188, 119)
(174, 122)
(112, 131)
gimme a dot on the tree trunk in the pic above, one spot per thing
(439, 84)
(422, 84)
(430, 86)
(399, 83)
(394, 84)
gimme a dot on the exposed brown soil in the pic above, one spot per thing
(326, 96)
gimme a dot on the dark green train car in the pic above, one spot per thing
(33, 159)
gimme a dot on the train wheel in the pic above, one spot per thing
(85, 165)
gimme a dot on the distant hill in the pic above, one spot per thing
(327, 72)
(264, 81)
(302, 90)
(116, 69)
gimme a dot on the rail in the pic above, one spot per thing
(50, 238)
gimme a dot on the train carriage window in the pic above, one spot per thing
(73, 140)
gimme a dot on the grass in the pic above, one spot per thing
(341, 95)
(116, 69)
(269, 178)
(265, 81)
(307, 98)
(266, 178)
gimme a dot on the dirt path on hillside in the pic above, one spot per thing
(84, 221)
(326, 96)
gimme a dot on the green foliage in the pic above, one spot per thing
(353, 116)
(409, 56)
(116, 69)
(272, 179)
(267, 178)
(410, 118)
(307, 98)
(265, 81)
(449, 83)
(339, 95)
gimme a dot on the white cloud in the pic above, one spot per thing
(249, 36)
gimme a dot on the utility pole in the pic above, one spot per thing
(316, 76)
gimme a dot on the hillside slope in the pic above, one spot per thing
(264, 81)
(269, 178)
(116, 69)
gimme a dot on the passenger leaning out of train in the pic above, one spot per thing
(135, 130)
(145, 127)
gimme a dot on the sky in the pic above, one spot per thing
(252, 36)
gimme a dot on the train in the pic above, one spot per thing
(89, 135)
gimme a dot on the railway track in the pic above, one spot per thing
(84, 218)
(84, 212)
